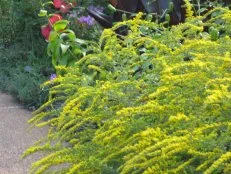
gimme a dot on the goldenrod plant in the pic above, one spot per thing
(157, 100)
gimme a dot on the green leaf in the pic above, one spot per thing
(71, 62)
(201, 10)
(111, 8)
(64, 48)
(53, 36)
(149, 17)
(124, 17)
(54, 60)
(48, 3)
(214, 33)
(68, 36)
(68, 31)
(42, 13)
(56, 52)
(64, 60)
(64, 37)
(81, 41)
(60, 25)
(77, 51)
(50, 48)
(71, 36)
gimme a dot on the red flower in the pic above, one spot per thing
(63, 6)
(45, 30)
(54, 18)
(58, 3)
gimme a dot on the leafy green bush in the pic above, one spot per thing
(22, 46)
(24, 64)
(155, 101)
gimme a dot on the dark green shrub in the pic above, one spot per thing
(22, 47)
(155, 101)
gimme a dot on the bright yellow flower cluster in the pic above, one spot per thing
(155, 101)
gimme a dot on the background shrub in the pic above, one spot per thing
(23, 59)
(155, 101)
(24, 63)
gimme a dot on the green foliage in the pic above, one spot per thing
(63, 45)
(64, 48)
(155, 101)
(23, 61)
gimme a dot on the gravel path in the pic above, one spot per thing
(15, 137)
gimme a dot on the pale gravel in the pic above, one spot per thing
(15, 136)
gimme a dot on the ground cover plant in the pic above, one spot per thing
(157, 100)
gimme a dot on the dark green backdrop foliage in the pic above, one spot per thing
(155, 101)
(24, 64)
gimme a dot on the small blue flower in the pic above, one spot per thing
(53, 76)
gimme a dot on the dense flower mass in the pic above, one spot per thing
(157, 100)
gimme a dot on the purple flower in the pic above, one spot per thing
(87, 20)
(53, 76)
